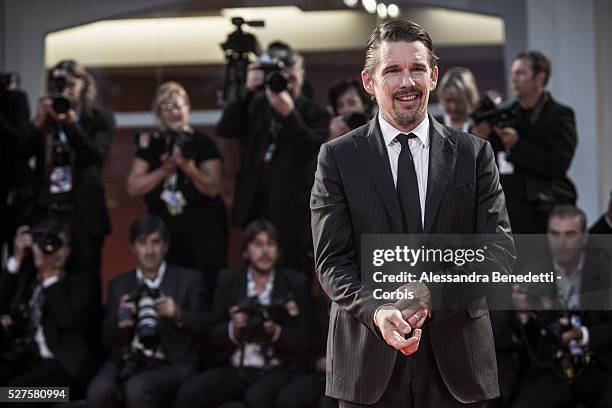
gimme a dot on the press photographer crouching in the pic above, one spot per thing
(352, 107)
(261, 335)
(44, 307)
(569, 343)
(178, 172)
(280, 132)
(154, 314)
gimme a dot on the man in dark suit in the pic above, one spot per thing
(455, 190)
(604, 223)
(261, 333)
(534, 154)
(280, 134)
(45, 307)
(149, 357)
(578, 365)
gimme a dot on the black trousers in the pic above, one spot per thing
(256, 388)
(416, 383)
(546, 389)
(155, 387)
(306, 391)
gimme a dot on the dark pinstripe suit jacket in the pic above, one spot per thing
(354, 194)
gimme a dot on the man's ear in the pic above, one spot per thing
(434, 78)
(541, 77)
(368, 82)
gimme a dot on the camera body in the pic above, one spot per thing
(165, 140)
(496, 115)
(61, 104)
(355, 120)
(49, 242)
(272, 67)
(259, 313)
(146, 317)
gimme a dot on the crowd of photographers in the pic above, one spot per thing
(181, 329)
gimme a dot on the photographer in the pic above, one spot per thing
(262, 314)
(45, 306)
(68, 144)
(535, 152)
(570, 349)
(178, 171)
(280, 131)
(152, 315)
(352, 107)
(14, 128)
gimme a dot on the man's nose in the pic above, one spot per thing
(406, 79)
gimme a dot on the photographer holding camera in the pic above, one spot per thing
(153, 314)
(535, 150)
(66, 149)
(44, 307)
(178, 171)
(280, 131)
(569, 341)
(352, 107)
(262, 314)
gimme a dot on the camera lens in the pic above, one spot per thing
(276, 81)
(61, 104)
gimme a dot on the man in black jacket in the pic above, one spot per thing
(44, 308)
(153, 315)
(534, 155)
(578, 367)
(280, 134)
(262, 315)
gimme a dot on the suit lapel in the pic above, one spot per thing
(373, 153)
(442, 157)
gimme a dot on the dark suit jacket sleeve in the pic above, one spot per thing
(296, 334)
(194, 314)
(70, 306)
(234, 118)
(112, 335)
(552, 160)
(15, 126)
(220, 315)
(92, 148)
(600, 335)
(601, 226)
(305, 129)
(334, 248)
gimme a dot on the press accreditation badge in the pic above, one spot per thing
(175, 201)
(60, 180)
(505, 167)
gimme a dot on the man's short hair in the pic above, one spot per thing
(340, 87)
(147, 225)
(256, 227)
(396, 31)
(569, 211)
(538, 61)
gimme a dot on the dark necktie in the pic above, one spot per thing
(408, 188)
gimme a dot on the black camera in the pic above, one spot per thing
(496, 115)
(49, 242)
(183, 140)
(61, 104)
(355, 120)
(259, 313)
(272, 66)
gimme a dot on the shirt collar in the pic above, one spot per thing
(158, 280)
(389, 132)
(570, 274)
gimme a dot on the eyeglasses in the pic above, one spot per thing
(170, 106)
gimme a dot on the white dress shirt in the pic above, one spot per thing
(419, 147)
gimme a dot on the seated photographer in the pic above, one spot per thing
(569, 342)
(69, 141)
(178, 171)
(44, 306)
(352, 107)
(153, 315)
(262, 333)
(280, 132)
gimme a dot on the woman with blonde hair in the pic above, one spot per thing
(178, 171)
(458, 96)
